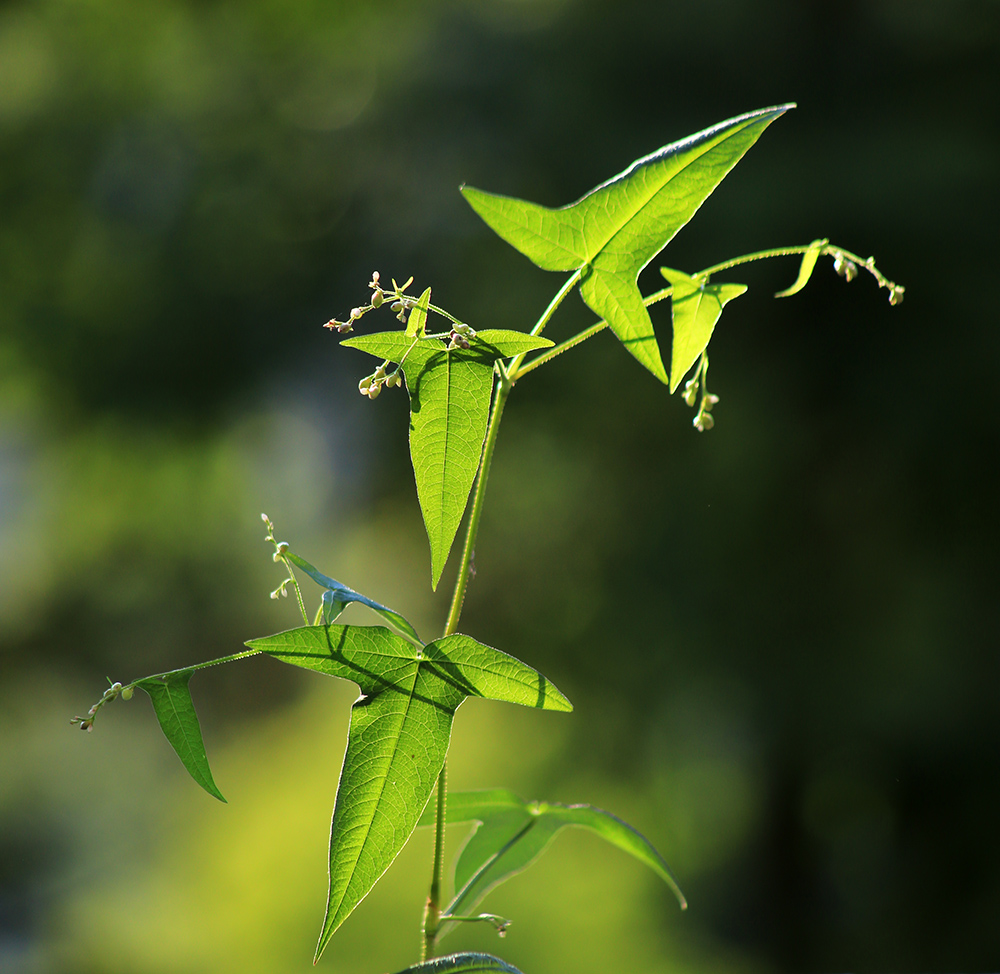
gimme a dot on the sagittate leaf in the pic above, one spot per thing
(450, 392)
(175, 711)
(467, 963)
(696, 307)
(399, 735)
(511, 833)
(337, 596)
(614, 231)
(809, 259)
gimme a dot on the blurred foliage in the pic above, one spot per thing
(801, 603)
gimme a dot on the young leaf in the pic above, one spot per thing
(696, 307)
(417, 322)
(614, 231)
(511, 833)
(399, 734)
(450, 393)
(175, 711)
(337, 597)
(809, 259)
(466, 963)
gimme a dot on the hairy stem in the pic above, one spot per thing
(582, 336)
(432, 913)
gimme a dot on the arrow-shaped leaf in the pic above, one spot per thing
(696, 307)
(450, 393)
(338, 596)
(466, 963)
(175, 711)
(511, 833)
(614, 231)
(399, 735)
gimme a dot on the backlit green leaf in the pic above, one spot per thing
(505, 344)
(416, 324)
(399, 734)
(175, 711)
(614, 231)
(696, 307)
(809, 259)
(449, 408)
(512, 833)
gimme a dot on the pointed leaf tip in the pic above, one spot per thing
(178, 720)
(806, 267)
(617, 228)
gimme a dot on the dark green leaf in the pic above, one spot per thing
(179, 723)
(696, 307)
(467, 963)
(614, 231)
(399, 734)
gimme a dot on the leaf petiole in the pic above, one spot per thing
(582, 336)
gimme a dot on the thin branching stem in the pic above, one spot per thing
(582, 336)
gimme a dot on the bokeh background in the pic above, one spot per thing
(780, 637)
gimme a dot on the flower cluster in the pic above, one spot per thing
(112, 692)
(401, 305)
(848, 270)
(371, 385)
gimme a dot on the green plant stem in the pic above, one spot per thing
(582, 336)
(432, 913)
(571, 282)
(198, 666)
(298, 591)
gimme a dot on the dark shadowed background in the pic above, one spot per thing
(780, 636)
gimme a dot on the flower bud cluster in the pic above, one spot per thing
(401, 305)
(459, 336)
(705, 420)
(847, 269)
(112, 692)
(371, 385)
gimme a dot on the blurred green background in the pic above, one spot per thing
(780, 637)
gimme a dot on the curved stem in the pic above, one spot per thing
(582, 336)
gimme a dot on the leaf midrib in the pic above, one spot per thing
(654, 192)
(410, 696)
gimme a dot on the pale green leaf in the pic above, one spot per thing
(809, 259)
(465, 963)
(696, 307)
(337, 596)
(511, 833)
(416, 324)
(399, 734)
(614, 231)
(175, 711)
